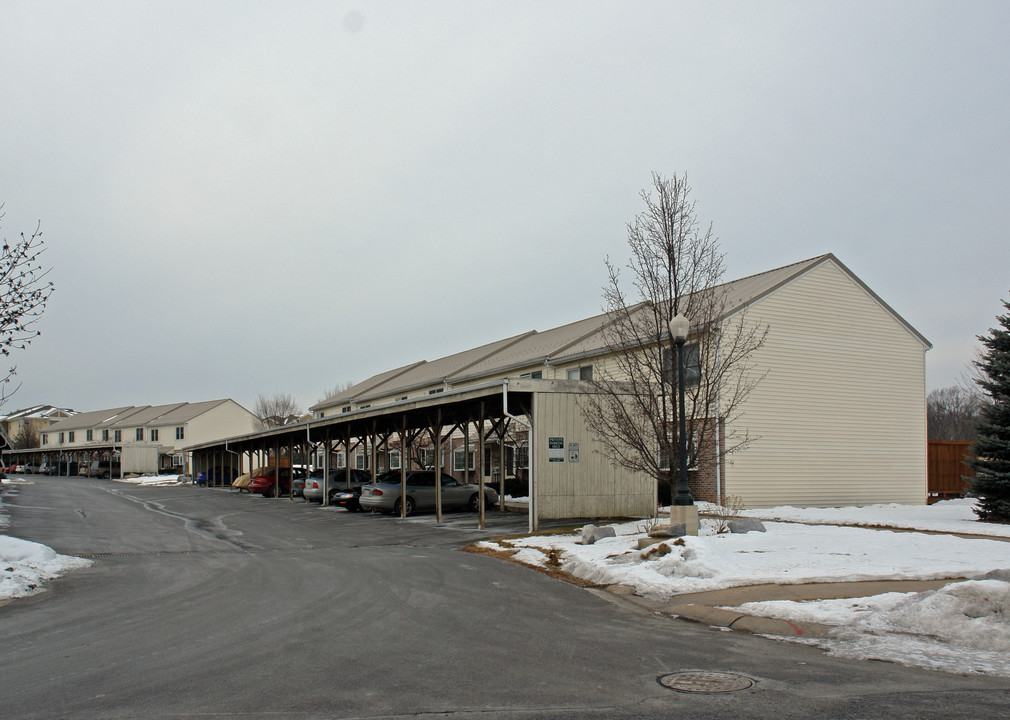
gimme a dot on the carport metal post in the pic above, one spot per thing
(291, 466)
(371, 452)
(404, 459)
(277, 468)
(326, 467)
(480, 475)
(437, 437)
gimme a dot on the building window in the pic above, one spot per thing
(584, 373)
(436, 391)
(341, 459)
(536, 375)
(70, 436)
(457, 460)
(361, 461)
(394, 459)
(61, 438)
(180, 433)
(427, 457)
(87, 435)
(117, 435)
(345, 409)
(140, 435)
(523, 457)
(154, 435)
(45, 439)
(105, 436)
(692, 365)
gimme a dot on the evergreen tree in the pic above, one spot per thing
(992, 447)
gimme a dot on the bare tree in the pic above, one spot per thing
(24, 292)
(953, 413)
(26, 438)
(335, 390)
(676, 267)
(276, 410)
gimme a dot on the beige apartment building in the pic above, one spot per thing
(141, 439)
(839, 416)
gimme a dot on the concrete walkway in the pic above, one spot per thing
(710, 608)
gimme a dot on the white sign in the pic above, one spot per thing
(573, 452)
(555, 449)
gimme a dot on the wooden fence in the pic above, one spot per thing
(948, 475)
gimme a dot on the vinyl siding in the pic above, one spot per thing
(840, 416)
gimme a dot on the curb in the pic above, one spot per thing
(719, 617)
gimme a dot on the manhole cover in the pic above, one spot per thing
(697, 681)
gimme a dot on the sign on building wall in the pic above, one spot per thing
(573, 452)
(555, 449)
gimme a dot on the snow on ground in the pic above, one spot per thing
(152, 480)
(25, 566)
(950, 516)
(964, 627)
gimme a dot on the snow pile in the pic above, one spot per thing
(786, 553)
(152, 480)
(24, 566)
(963, 627)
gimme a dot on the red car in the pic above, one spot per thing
(264, 483)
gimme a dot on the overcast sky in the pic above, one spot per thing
(243, 198)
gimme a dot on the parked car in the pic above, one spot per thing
(299, 479)
(264, 482)
(44, 469)
(384, 495)
(337, 483)
(98, 469)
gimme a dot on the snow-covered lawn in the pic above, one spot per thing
(905, 628)
(25, 566)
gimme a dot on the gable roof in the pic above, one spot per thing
(567, 343)
(135, 416)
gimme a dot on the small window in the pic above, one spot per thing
(394, 459)
(536, 375)
(398, 400)
(427, 457)
(45, 439)
(117, 436)
(105, 436)
(341, 459)
(88, 435)
(457, 460)
(70, 436)
(180, 433)
(345, 409)
(436, 391)
(140, 435)
(692, 365)
(523, 457)
(154, 435)
(361, 461)
(584, 373)
(61, 438)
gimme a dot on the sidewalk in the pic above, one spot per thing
(709, 608)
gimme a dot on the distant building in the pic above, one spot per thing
(137, 439)
(37, 417)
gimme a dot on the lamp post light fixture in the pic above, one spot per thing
(679, 327)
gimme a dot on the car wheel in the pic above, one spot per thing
(474, 503)
(409, 508)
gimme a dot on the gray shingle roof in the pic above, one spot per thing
(582, 338)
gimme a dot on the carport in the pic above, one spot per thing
(568, 475)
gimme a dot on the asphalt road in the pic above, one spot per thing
(203, 603)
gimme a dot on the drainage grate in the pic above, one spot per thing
(700, 681)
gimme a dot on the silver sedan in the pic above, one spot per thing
(384, 495)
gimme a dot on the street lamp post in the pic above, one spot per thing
(679, 327)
